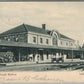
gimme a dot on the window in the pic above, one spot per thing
(66, 44)
(55, 39)
(71, 44)
(47, 41)
(61, 42)
(34, 39)
(41, 40)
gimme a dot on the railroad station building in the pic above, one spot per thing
(30, 43)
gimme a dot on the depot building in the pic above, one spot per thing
(30, 43)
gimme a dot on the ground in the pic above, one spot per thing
(44, 67)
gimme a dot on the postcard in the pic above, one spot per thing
(42, 42)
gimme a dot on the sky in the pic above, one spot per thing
(65, 17)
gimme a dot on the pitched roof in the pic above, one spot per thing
(35, 29)
(26, 28)
(63, 36)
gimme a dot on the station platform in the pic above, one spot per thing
(68, 61)
(17, 63)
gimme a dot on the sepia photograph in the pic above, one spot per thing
(42, 42)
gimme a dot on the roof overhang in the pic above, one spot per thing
(20, 44)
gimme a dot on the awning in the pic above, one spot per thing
(21, 44)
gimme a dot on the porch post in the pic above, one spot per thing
(82, 55)
(43, 55)
(19, 55)
(33, 55)
(51, 54)
(72, 54)
(63, 53)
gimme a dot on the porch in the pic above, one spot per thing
(31, 53)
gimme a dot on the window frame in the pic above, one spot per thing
(61, 43)
(66, 43)
(34, 39)
(47, 41)
(41, 40)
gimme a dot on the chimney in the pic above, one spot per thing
(43, 26)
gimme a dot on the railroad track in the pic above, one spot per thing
(74, 66)
(45, 67)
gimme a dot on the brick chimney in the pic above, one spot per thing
(43, 26)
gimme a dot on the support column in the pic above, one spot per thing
(36, 56)
(82, 55)
(51, 54)
(55, 53)
(19, 55)
(63, 53)
(43, 55)
(32, 56)
(39, 56)
(34, 52)
(72, 54)
(60, 54)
